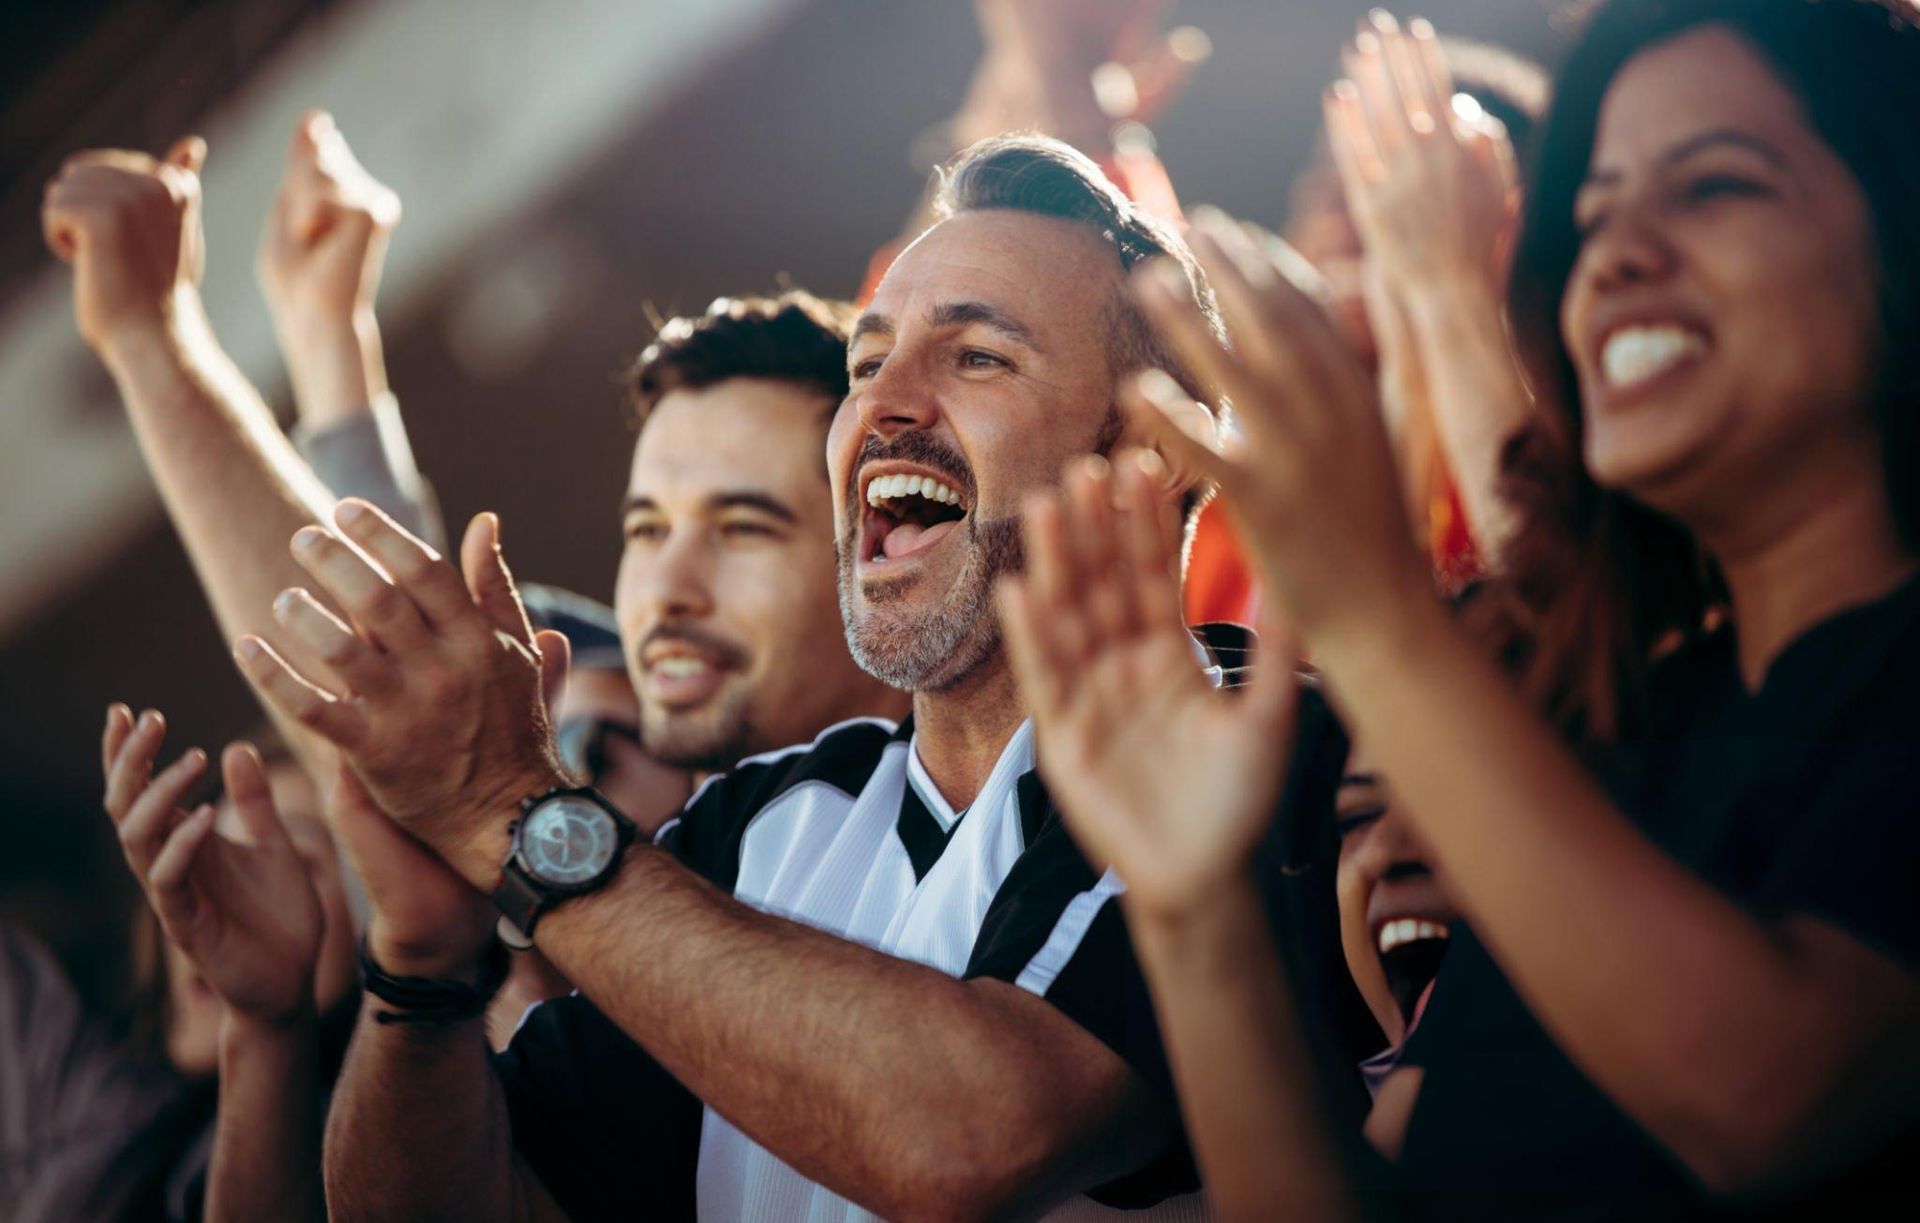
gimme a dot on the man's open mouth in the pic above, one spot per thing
(907, 514)
(1411, 949)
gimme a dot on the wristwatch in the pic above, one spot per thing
(566, 842)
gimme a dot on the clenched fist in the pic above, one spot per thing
(326, 237)
(130, 226)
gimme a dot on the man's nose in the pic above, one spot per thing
(898, 399)
(680, 581)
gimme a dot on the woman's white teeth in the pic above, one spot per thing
(680, 666)
(890, 488)
(1403, 930)
(1635, 354)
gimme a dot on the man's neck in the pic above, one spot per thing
(960, 731)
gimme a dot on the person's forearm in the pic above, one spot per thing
(419, 1128)
(1478, 398)
(887, 1081)
(1247, 1089)
(336, 366)
(1646, 976)
(266, 1147)
(232, 483)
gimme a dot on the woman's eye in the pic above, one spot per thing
(649, 531)
(1720, 186)
(1354, 819)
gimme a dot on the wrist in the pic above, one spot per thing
(139, 346)
(478, 847)
(247, 1032)
(1447, 291)
(1201, 939)
(336, 364)
(438, 955)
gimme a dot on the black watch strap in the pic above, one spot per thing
(519, 899)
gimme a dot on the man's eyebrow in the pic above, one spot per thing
(870, 323)
(965, 313)
(1698, 144)
(732, 499)
(746, 499)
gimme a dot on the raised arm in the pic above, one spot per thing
(1432, 194)
(130, 227)
(240, 904)
(1645, 975)
(319, 268)
(840, 1060)
(1173, 783)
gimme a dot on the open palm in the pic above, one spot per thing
(1157, 772)
(240, 904)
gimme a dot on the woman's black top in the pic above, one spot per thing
(1802, 798)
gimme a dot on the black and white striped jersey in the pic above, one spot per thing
(848, 835)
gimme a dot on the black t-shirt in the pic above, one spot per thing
(1802, 798)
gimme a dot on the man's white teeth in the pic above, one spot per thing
(680, 666)
(1633, 355)
(889, 488)
(1403, 930)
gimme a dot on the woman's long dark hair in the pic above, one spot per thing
(1601, 583)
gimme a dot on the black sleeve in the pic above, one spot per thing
(1055, 930)
(610, 1133)
(707, 833)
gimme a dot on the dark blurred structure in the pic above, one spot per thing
(784, 158)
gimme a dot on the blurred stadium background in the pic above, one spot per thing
(570, 169)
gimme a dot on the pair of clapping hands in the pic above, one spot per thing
(436, 698)
(1159, 775)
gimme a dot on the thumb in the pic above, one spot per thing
(246, 779)
(489, 581)
(189, 153)
(556, 656)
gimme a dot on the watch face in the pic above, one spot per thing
(567, 840)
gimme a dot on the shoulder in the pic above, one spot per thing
(842, 757)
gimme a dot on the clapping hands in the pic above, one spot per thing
(240, 903)
(1159, 774)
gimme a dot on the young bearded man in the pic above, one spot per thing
(725, 595)
(878, 961)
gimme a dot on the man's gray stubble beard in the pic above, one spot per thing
(944, 647)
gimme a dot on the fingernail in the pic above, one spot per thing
(350, 511)
(1383, 21)
(1421, 28)
(1367, 43)
(307, 539)
(1157, 385)
(248, 648)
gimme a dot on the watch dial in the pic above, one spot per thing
(567, 841)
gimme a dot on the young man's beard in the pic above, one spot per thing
(710, 740)
(932, 652)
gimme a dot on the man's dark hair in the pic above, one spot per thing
(1045, 177)
(795, 337)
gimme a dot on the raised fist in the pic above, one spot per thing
(130, 226)
(320, 257)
